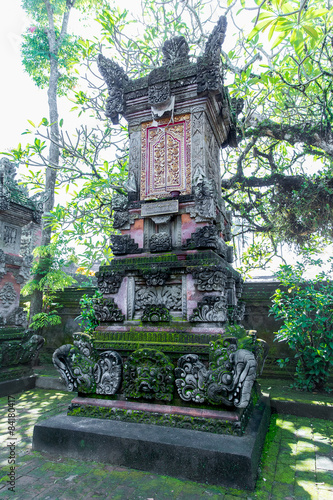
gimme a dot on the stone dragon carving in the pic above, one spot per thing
(228, 380)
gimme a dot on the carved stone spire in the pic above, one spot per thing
(115, 78)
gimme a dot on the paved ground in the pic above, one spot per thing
(297, 463)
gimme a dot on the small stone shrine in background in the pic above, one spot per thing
(160, 359)
(18, 346)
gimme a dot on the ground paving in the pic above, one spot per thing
(297, 463)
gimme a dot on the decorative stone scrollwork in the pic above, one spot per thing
(84, 370)
(160, 242)
(211, 308)
(175, 52)
(190, 380)
(109, 281)
(120, 219)
(229, 379)
(107, 310)
(209, 279)
(148, 374)
(155, 313)
(124, 244)
(207, 237)
(156, 277)
(115, 78)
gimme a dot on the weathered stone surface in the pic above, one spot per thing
(84, 370)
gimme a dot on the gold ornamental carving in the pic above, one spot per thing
(166, 157)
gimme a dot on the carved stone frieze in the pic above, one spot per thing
(156, 276)
(209, 279)
(109, 281)
(160, 242)
(107, 310)
(169, 296)
(228, 380)
(148, 374)
(124, 244)
(84, 370)
(211, 308)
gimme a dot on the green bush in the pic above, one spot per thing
(306, 307)
(87, 318)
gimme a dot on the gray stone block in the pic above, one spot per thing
(230, 461)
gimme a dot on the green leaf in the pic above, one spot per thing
(311, 31)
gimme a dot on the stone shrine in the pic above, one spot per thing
(17, 345)
(160, 361)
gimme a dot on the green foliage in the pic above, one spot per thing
(88, 322)
(306, 307)
(45, 319)
(36, 57)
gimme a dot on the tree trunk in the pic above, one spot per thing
(36, 303)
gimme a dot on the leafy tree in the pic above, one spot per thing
(49, 55)
(306, 307)
(278, 182)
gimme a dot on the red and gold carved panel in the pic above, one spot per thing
(166, 157)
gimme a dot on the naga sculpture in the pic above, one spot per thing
(229, 379)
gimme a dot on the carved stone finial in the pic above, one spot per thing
(215, 40)
(175, 52)
(114, 77)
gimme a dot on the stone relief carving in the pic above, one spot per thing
(109, 281)
(82, 369)
(209, 279)
(160, 242)
(207, 237)
(16, 352)
(155, 313)
(107, 310)
(211, 308)
(169, 296)
(121, 220)
(236, 313)
(159, 93)
(115, 78)
(8, 296)
(2, 264)
(124, 244)
(148, 374)
(156, 276)
(228, 380)
(175, 52)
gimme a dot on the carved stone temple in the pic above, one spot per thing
(17, 345)
(160, 357)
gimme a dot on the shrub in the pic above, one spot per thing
(306, 307)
